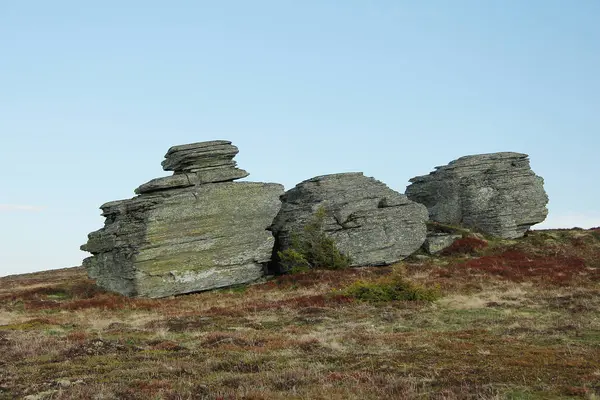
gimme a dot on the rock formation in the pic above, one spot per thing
(368, 221)
(195, 230)
(197, 164)
(497, 194)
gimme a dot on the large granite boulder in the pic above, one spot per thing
(497, 194)
(193, 231)
(368, 221)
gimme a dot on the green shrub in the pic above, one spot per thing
(312, 248)
(293, 261)
(394, 287)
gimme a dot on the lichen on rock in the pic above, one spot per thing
(190, 236)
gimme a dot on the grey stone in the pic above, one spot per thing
(368, 221)
(183, 180)
(64, 383)
(181, 241)
(198, 156)
(497, 194)
(437, 242)
(186, 233)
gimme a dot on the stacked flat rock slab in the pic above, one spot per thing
(196, 230)
(368, 221)
(197, 164)
(497, 194)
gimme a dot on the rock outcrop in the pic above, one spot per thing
(193, 231)
(368, 221)
(497, 194)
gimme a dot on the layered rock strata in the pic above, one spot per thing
(368, 221)
(196, 230)
(497, 194)
(197, 164)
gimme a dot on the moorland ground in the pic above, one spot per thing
(518, 319)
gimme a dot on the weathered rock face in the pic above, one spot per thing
(188, 232)
(368, 221)
(495, 193)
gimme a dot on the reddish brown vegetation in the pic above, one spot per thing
(165, 345)
(467, 245)
(33, 300)
(111, 302)
(558, 259)
(518, 266)
(77, 336)
(295, 336)
(84, 289)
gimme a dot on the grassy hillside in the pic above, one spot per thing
(516, 320)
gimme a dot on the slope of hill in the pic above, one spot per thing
(518, 319)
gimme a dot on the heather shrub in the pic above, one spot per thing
(312, 248)
(466, 245)
(394, 287)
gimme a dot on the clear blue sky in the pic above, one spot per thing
(92, 94)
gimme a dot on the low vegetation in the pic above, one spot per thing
(312, 248)
(466, 245)
(518, 319)
(392, 287)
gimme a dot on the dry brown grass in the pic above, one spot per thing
(517, 320)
